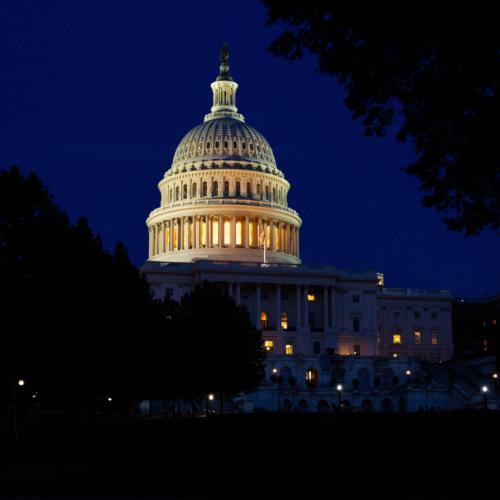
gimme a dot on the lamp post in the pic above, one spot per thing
(339, 394)
(484, 390)
(15, 384)
(209, 403)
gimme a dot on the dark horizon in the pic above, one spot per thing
(96, 97)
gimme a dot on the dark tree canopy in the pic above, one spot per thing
(437, 66)
(73, 314)
(218, 347)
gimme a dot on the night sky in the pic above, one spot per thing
(96, 95)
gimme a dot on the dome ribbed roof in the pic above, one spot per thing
(224, 139)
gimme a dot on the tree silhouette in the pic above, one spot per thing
(433, 67)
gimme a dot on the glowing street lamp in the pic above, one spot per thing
(275, 371)
(484, 390)
(495, 376)
(20, 382)
(17, 383)
(339, 394)
(210, 398)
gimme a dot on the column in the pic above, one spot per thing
(271, 224)
(155, 248)
(180, 234)
(287, 239)
(332, 307)
(238, 293)
(280, 237)
(221, 231)
(162, 241)
(233, 231)
(196, 234)
(298, 243)
(257, 305)
(278, 308)
(247, 231)
(150, 231)
(172, 224)
(325, 308)
(306, 308)
(298, 307)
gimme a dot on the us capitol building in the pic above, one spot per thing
(331, 335)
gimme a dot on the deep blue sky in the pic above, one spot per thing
(96, 95)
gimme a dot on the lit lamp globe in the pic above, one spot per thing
(20, 382)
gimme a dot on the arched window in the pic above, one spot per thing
(238, 188)
(177, 193)
(417, 336)
(284, 320)
(215, 189)
(249, 190)
(274, 195)
(204, 189)
(226, 188)
(193, 190)
(434, 337)
(264, 321)
(170, 195)
(267, 193)
(259, 190)
(364, 378)
(184, 191)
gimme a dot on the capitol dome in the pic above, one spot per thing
(224, 198)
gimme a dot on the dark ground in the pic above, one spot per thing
(259, 456)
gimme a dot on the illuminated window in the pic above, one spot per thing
(418, 337)
(269, 345)
(312, 375)
(253, 241)
(284, 321)
(289, 349)
(493, 321)
(276, 238)
(203, 235)
(434, 338)
(239, 233)
(227, 232)
(191, 235)
(264, 320)
(485, 345)
(268, 236)
(167, 238)
(396, 338)
(215, 232)
(311, 297)
(176, 237)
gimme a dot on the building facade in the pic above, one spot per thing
(331, 335)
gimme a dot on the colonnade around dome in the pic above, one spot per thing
(222, 231)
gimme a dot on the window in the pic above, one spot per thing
(204, 190)
(485, 345)
(249, 190)
(185, 191)
(215, 232)
(434, 315)
(416, 314)
(434, 338)
(267, 193)
(311, 319)
(289, 349)
(355, 324)
(193, 190)
(269, 345)
(317, 348)
(357, 350)
(396, 314)
(226, 188)
(227, 232)
(177, 193)
(312, 376)
(264, 321)
(311, 297)
(396, 338)
(238, 188)
(418, 337)
(284, 320)
(215, 189)
(355, 298)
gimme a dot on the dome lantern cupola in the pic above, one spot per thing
(224, 91)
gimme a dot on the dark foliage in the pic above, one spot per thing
(435, 64)
(73, 315)
(218, 349)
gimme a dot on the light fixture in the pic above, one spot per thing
(275, 370)
(408, 372)
(110, 399)
(339, 387)
(210, 397)
(20, 382)
(395, 356)
(484, 389)
(495, 375)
